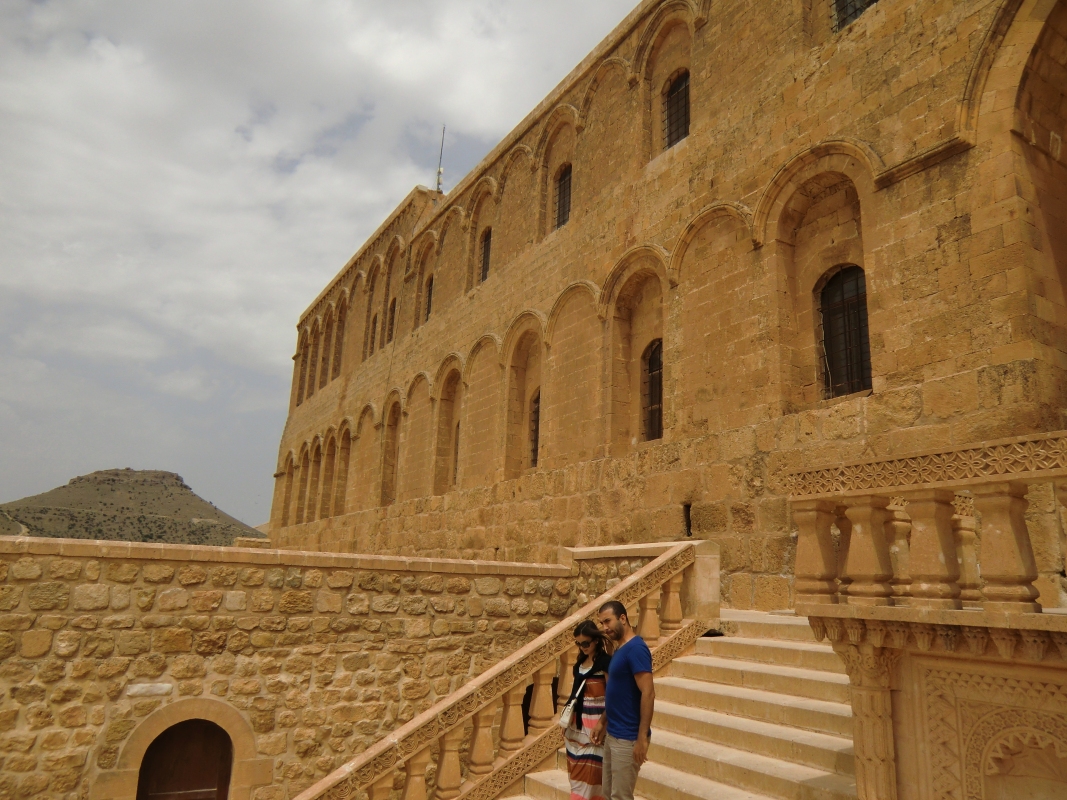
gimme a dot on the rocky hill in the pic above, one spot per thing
(124, 504)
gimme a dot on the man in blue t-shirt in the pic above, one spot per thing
(629, 701)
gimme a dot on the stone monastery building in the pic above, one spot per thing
(739, 240)
(762, 308)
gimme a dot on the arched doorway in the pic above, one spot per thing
(188, 761)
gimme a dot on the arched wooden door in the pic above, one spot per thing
(188, 761)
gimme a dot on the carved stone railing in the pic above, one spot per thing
(671, 598)
(932, 632)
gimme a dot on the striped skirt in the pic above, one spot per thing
(585, 760)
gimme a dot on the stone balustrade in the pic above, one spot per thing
(920, 572)
(477, 738)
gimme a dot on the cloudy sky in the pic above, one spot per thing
(178, 180)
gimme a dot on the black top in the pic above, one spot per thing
(600, 667)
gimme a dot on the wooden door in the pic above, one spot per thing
(188, 761)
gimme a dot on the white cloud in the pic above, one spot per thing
(178, 180)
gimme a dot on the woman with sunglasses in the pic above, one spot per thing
(585, 760)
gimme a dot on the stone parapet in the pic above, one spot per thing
(304, 658)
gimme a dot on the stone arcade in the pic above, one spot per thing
(764, 303)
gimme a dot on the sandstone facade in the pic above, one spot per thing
(304, 659)
(921, 143)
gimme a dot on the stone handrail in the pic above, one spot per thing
(887, 568)
(906, 528)
(492, 766)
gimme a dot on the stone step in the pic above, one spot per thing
(753, 772)
(805, 655)
(816, 684)
(671, 784)
(764, 625)
(818, 750)
(821, 716)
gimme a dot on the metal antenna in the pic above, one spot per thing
(440, 160)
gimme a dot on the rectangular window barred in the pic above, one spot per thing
(563, 196)
(846, 11)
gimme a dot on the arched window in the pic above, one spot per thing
(327, 344)
(487, 246)
(535, 427)
(313, 363)
(455, 456)
(191, 760)
(652, 390)
(305, 358)
(373, 334)
(846, 343)
(563, 196)
(391, 325)
(429, 296)
(676, 111)
(846, 11)
(338, 347)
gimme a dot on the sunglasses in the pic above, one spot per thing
(584, 644)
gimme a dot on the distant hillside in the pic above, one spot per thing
(124, 504)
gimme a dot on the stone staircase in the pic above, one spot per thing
(762, 712)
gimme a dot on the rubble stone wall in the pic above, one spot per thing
(319, 654)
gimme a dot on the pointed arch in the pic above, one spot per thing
(738, 211)
(453, 362)
(606, 66)
(414, 383)
(853, 158)
(665, 17)
(528, 320)
(510, 160)
(635, 260)
(486, 185)
(455, 215)
(561, 115)
(485, 340)
(578, 287)
(367, 419)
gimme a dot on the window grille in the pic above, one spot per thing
(455, 456)
(847, 11)
(429, 297)
(676, 111)
(535, 427)
(487, 245)
(392, 322)
(563, 196)
(653, 394)
(845, 337)
(373, 334)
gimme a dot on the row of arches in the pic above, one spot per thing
(473, 234)
(482, 417)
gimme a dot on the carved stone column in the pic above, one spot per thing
(449, 776)
(415, 783)
(816, 561)
(381, 788)
(868, 564)
(541, 705)
(967, 555)
(1008, 565)
(898, 529)
(648, 624)
(933, 563)
(671, 618)
(483, 750)
(870, 673)
(512, 730)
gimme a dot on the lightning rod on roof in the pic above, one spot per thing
(440, 160)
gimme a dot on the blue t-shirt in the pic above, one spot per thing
(623, 698)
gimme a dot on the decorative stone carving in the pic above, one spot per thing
(1029, 455)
